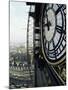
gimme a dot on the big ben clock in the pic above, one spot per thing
(53, 33)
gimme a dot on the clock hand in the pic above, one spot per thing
(48, 24)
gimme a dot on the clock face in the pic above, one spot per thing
(53, 32)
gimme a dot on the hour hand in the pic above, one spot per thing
(48, 24)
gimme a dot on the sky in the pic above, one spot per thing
(18, 22)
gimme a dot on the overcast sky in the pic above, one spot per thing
(18, 22)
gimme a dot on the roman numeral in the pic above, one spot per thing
(58, 10)
(53, 44)
(60, 29)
